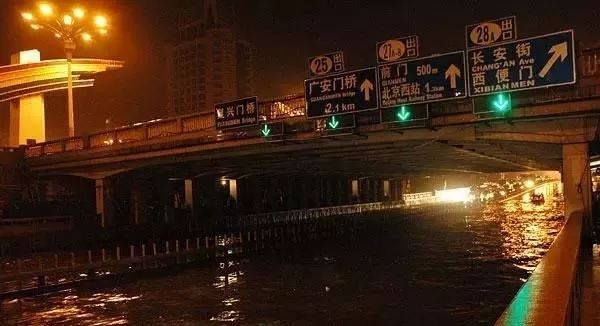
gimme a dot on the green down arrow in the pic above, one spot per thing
(265, 130)
(403, 114)
(333, 123)
(501, 103)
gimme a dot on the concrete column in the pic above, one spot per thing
(27, 118)
(329, 194)
(355, 193)
(103, 205)
(136, 203)
(233, 189)
(188, 194)
(386, 190)
(340, 191)
(577, 183)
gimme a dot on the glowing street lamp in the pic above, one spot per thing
(69, 29)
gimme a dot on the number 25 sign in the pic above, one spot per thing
(325, 64)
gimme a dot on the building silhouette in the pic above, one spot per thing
(208, 64)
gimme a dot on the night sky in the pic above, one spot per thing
(285, 33)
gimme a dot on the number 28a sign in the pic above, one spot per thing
(325, 64)
(490, 32)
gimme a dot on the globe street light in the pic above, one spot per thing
(67, 27)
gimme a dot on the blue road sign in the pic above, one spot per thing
(424, 80)
(235, 114)
(530, 63)
(342, 93)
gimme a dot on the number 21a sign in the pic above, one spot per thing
(325, 64)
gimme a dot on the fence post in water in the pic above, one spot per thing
(177, 250)
(118, 253)
(56, 261)
(19, 282)
(143, 255)
(90, 256)
(131, 251)
(197, 243)
(103, 255)
(187, 244)
(72, 259)
(241, 237)
(154, 248)
(167, 247)
(41, 278)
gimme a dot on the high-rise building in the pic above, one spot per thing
(208, 64)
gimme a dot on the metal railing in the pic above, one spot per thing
(288, 108)
(304, 214)
(552, 294)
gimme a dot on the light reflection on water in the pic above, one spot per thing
(450, 269)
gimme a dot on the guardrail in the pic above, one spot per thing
(552, 294)
(304, 214)
(20, 226)
(291, 107)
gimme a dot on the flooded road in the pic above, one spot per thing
(459, 268)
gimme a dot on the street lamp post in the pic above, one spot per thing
(72, 26)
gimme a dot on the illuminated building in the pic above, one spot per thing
(207, 65)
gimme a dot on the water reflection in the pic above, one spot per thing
(72, 309)
(528, 228)
(452, 268)
(228, 274)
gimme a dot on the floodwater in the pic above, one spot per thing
(453, 269)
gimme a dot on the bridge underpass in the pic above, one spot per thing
(373, 158)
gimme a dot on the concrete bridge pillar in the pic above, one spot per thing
(329, 194)
(340, 191)
(355, 193)
(188, 194)
(104, 209)
(577, 181)
(26, 115)
(386, 190)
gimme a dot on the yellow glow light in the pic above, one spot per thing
(102, 31)
(100, 21)
(454, 195)
(86, 37)
(27, 16)
(68, 20)
(78, 12)
(529, 183)
(45, 9)
(35, 26)
(57, 35)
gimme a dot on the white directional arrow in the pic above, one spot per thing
(366, 87)
(452, 72)
(558, 51)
